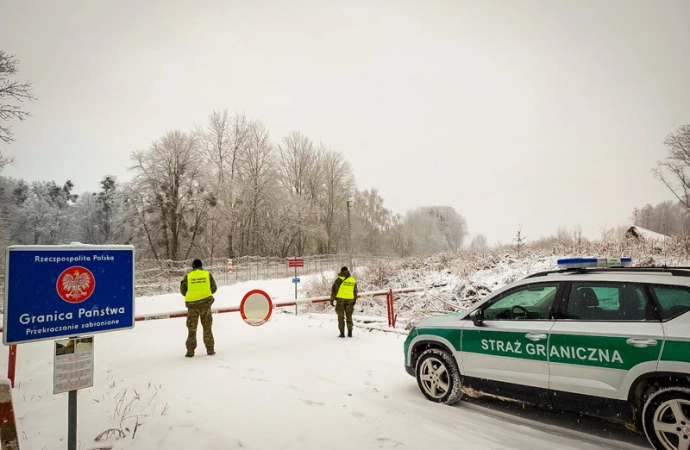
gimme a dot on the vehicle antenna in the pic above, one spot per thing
(663, 227)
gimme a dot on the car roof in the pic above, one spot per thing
(664, 275)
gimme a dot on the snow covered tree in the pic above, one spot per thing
(299, 170)
(224, 144)
(479, 244)
(422, 233)
(257, 177)
(168, 179)
(337, 184)
(445, 230)
(371, 223)
(100, 217)
(47, 214)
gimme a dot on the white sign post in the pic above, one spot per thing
(72, 370)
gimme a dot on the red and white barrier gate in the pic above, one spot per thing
(390, 306)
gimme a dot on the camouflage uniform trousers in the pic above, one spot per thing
(200, 309)
(344, 309)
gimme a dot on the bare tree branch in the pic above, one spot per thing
(674, 170)
(13, 94)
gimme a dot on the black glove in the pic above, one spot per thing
(332, 304)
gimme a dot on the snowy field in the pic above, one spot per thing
(288, 384)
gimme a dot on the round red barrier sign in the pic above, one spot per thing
(256, 307)
(76, 284)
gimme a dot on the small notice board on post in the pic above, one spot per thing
(295, 262)
(73, 364)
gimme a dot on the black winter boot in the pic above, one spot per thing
(342, 334)
(349, 333)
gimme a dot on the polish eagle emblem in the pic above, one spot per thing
(75, 284)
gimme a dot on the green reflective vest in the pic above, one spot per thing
(198, 285)
(346, 291)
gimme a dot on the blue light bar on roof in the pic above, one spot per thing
(579, 263)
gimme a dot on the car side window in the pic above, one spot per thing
(529, 302)
(673, 300)
(619, 302)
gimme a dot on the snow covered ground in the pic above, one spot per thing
(288, 384)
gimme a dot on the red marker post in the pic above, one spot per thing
(295, 262)
(227, 277)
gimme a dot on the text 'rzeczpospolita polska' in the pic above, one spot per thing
(73, 259)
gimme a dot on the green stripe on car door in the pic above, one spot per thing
(600, 351)
(676, 351)
(510, 344)
(452, 335)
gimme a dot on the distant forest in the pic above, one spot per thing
(670, 218)
(226, 190)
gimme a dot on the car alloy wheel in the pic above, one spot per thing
(438, 376)
(666, 419)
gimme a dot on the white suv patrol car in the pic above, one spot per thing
(596, 337)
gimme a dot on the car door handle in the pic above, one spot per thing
(535, 337)
(641, 342)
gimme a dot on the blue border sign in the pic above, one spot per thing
(67, 290)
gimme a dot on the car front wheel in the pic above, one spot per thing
(438, 376)
(666, 419)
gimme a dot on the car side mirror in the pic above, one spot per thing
(478, 317)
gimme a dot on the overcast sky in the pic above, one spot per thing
(519, 114)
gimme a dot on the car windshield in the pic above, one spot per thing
(524, 302)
